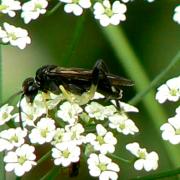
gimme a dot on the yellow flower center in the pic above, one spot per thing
(102, 166)
(66, 153)
(173, 92)
(14, 139)
(108, 12)
(22, 160)
(3, 7)
(100, 139)
(5, 115)
(177, 131)
(142, 154)
(44, 132)
(37, 6)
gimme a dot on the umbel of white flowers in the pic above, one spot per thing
(170, 91)
(104, 11)
(70, 139)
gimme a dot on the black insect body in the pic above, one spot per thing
(76, 84)
(75, 81)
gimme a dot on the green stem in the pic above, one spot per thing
(119, 158)
(44, 158)
(55, 8)
(2, 170)
(169, 173)
(156, 81)
(75, 39)
(51, 174)
(132, 66)
(1, 87)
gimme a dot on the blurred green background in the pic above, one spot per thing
(154, 37)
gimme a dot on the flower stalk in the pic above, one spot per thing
(164, 174)
(75, 39)
(134, 69)
(157, 80)
(2, 170)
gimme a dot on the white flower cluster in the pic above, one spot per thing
(9, 7)
(107, 12)
(30, 10)
(176, 16)
(76, 6)
(171, 130)
(148, 161)
(66, 130)
(101, 166)
(104, 11)
(16, 36)
(171, 92)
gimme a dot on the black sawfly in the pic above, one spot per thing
(74, 81)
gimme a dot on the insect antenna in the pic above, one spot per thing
(20, 111)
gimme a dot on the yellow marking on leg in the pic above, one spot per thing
(79, 99)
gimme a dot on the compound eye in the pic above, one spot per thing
(27, 82)
(30, 89)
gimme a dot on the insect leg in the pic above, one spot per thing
(99, 77)
(20, 111)
(79, 99)
(85, 97)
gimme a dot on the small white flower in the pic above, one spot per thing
(122, 124)
(99, 112)
(16, 36)
(32, 9)
(95, 110)
(108, 14)
(169, 91)
(5, 113)
(98, 96)
(76, 6)
(148, 161)
(104, 141)
(101, 166)
(109, 111)
(171, 130)
(150, 1)
(73, 134)
(21, 160)
(9, 7)
(12, 138)
(43, 132)
(176, 16)
(65, 153)
(126, 107)
(27, 119)
(58, 136)
(53, 100)
(31, 111)
(69, 112)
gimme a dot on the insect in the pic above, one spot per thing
(75, 81)
(77, 84)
